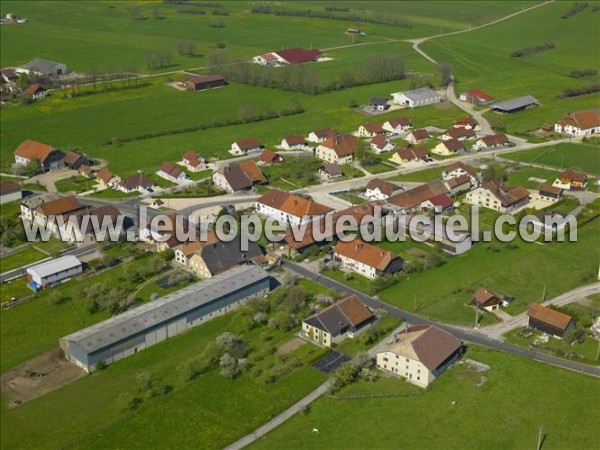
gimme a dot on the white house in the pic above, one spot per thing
(448, 148)
(491, 141)
(194, 162)
(293, 143)
(10, 191)
(366, 259)
(381, 144)
(371, 129)
(289, 208)
(171, 172)
(138, 182)
(416, 97)
(337, 149)
(419, 354)
(378, 189)
(581, 123)
(246, 146)
(498, 197)
(321, 135)
(416, 136)
(397, 126)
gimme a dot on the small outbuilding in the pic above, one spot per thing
(485, 299)
(549, 321)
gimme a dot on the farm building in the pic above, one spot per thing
(51, 272)
(288, 56)
(126, 334)
(343, 319)
(549, 321)
(46, 155)
(36, 91)
(202, 82)
(515, 104)
(416, 97)
(485, 299)
(420, 354)
(476, 96)
(366, 259)
(43, 67)
(10, 191)
(581, 123)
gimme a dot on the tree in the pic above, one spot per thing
(489, 173)
(445, 72)
(136, 12)
(157, 14)
(56, 297)
(185, 47)
(361, 150)
(295, 298)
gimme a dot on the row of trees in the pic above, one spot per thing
(533, 50)
(305, 79)
(575, 9)
(588, 88)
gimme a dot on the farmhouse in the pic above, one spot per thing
(238, 177)
(549, 321)
(345, 318)
(194, 162)
(491, 141)
(127, 333)
(74, 160)
(138, 182)
(289, 208)
(337, 149)
(293, 143)
(378, 189)
(371, 129)
(79, 225)
(411, 200)
(450, 239)
(515, 104)
(549, 193)
(417, 136)
(331, 170)
(449, 147)
(397, 125)
(581, 123)
(366, 259)
(47, 156)
(295, 55)
(187, 250)
(476, 96)
(50, 273)
(459, 133)
(269, 157)
(381, 144)
(378, 104)
(43, 67)
(420, 354)
(60, 206)
(36, 91)
(10, 191)
(171, 172)
(459, 184)
(30, 204)
(498, 197)
(107, 178)
(202, 82)
(246, 146)
(416, 97)
(219, 256)
(485, 299)
(321, 135)
(571, 180)
(410, 154)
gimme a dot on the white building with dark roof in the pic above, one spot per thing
(134, 330)
(416, 97)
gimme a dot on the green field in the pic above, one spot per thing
(481, 59)
(520, 395)
(584, 157)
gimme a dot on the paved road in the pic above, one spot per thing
(278, 420)
(77, 251)
(484, 125)
(460, 333)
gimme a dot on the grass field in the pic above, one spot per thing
(523, 271)
(584, 157)
(481, 59)
(521, 395)
(211, 409)
(31, 253)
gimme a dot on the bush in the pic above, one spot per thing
(533, 50)
(575, 9)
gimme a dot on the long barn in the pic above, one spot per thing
(156, 321)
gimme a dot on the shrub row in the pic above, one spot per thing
(576, 9)
(583, 73)
(533, 50)
(583, 90)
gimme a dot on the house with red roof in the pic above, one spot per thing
(269, 157)
(366, 259)
(581, 123)
(337, 149)
(171, 172)
(202, 82)
(371, 129)
(381, 144)
(417, 136)
(448, 147)
(397, 125)
(193, 161)
(30, 150)
(36, 91)
(476, 96)
(571, 180)
(438, 204)
(289, 208)
(293, 143)
(246, 146)
(295, 55)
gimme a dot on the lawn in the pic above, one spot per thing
(14, 290)
(584, 157)
(384, 326)
(200, 190)
(111, 193)
(296, 172)
(426, 175)
(29, 254)
(521, 177)
(520, 394)
(521, 269)
(211, 409)
(75, 184)
(481, 59)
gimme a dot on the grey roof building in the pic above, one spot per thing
(52, 272)
(515, 104)
(44, 67)
(221, 256)
(153, 322)
(416, 97)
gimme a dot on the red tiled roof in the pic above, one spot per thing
(34, 88)
(34, 150)
(582, 119)
(478, 93)
(495, 139)
(442, 200)
(460, 165)
(373, 127)
(295, 140)
(482, 295)
(402, 121)
(365, 253)
(252, 171)
(419, 134)
(380, 141)
(385, 187)
(572, 175)
(343, 144)
(193, 158)
(324, 133)
(549, 316)
(414, 197)
(268, 156)
(170, 169)
(9, 186)
(459, 132)
(292, 204)
(248, 144)
(453, 145)
(105, 175)
(299, 55)
(412, 153)
(59, 206)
